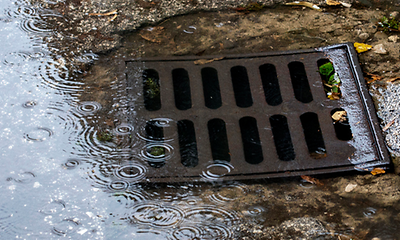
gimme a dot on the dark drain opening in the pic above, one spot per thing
(282, 139)
(187, 143)
(218, 140)
(151, 90)
(313, 135)
(301, 87)
(183, 99)
(341, 125)
(241, 86)
(251, 140)
(212, 92)
(155, 151)
(270, 84)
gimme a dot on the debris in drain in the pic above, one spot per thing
(331, 81)
(340, 116)
(251, 116)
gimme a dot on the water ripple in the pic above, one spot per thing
(131, 173)
(216, 171)
(211, 215)
(156, 215)
(130, 197)
(227, 193)
(53, 207)
(39, 134)
(166, 125)
(88, 108)
(156, 153)
(23, 177)
(119, 185)
(65, 227)
(29, 104)
(369, 212)
(71, 163)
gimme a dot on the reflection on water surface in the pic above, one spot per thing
(70, 162)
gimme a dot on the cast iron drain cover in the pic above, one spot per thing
(252, 116)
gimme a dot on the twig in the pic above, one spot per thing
(388, 125)
(104, 14)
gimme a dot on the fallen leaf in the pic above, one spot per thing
(388, 125)
(361, 47)
(312, 180)
(339, 116)
(205, 61)
(377, 171)
(305, 4)
(332, 3)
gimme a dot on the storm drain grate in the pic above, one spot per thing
(253, 116)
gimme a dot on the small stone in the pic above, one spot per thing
(375, 238)
(393, 38)
(394, 14)
(350, 187)
(379, 49)
(363, 36)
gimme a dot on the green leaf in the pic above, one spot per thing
(326, 69)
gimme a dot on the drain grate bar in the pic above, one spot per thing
(252, 116)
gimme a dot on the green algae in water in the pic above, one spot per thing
(152, 88)
(105, 136)
(156, 151)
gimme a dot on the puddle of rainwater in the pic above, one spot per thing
(71, 163)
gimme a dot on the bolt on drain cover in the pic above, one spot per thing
(253, 115)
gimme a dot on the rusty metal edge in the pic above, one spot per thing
(327, 170)
(368, 104)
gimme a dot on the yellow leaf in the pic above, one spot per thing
(361, 47)
(377, 171)
(332, 2)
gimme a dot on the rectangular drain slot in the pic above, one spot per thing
(254, 115)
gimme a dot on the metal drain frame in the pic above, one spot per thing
(366, 149)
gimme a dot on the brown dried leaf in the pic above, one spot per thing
(332, 3)
(339, 116)
(312, 180)
(377, 171)
(205, 61)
